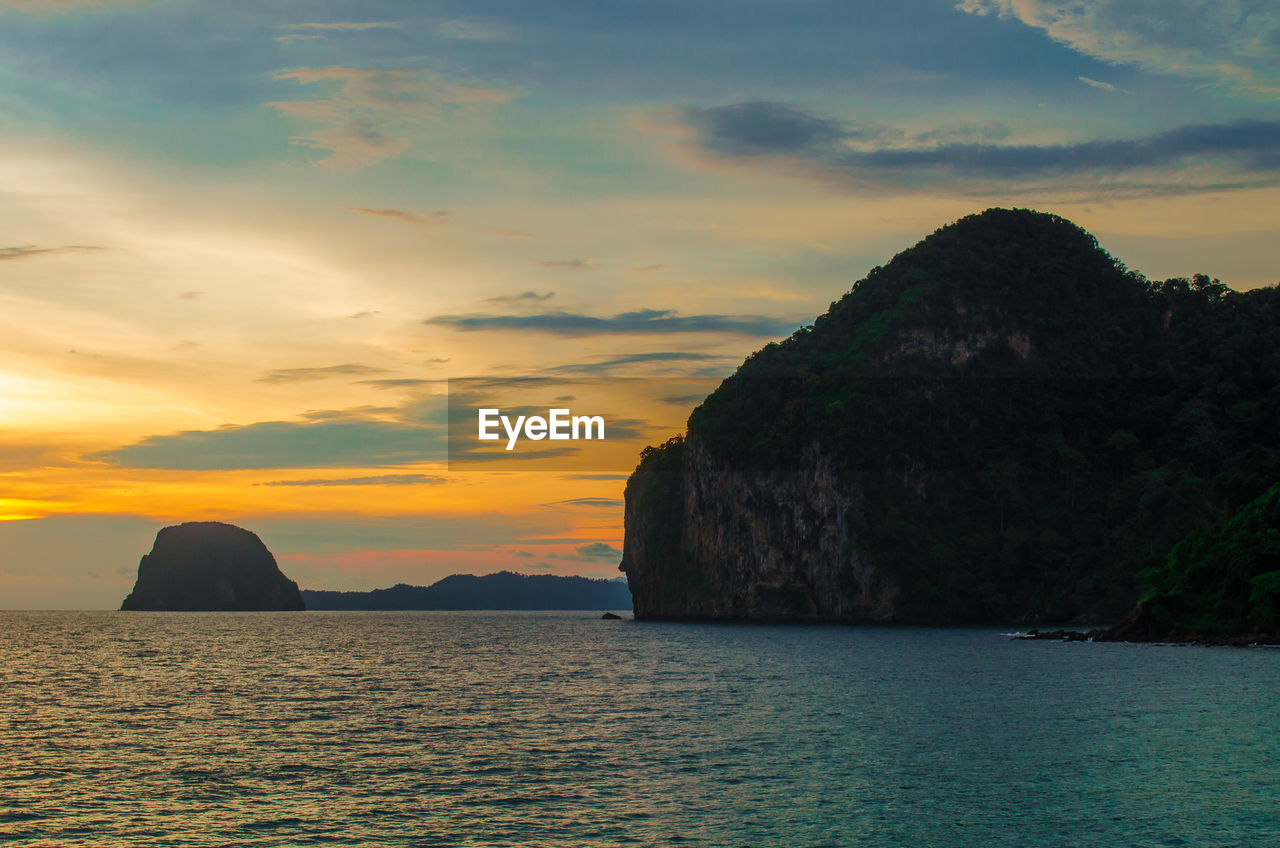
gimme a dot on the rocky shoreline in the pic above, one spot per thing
(1110, 634)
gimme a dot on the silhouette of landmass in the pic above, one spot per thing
(505, 590)
(1004, 425)
(208, 565)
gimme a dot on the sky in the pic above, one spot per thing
(245, 247)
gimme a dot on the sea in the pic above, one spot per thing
(563, 729)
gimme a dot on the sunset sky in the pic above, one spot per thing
(243, 244)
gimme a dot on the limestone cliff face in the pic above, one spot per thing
(708, 542)
(211, 566)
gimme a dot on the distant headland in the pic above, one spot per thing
(207, 566)
(505, 590)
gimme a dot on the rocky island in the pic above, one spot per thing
(1001, 425)
(209, 565)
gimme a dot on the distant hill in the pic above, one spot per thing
(505, 590)
(1002, 424)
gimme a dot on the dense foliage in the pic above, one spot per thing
(1030, 424)
(1221, 581)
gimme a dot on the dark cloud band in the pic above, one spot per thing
(643, 321)
(759, 128)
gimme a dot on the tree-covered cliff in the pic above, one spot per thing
(1002, 424)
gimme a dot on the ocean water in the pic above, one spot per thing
(559, 729)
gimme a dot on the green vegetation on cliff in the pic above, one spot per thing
(1023, 424)
(1220, 581)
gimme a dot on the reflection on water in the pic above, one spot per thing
(561, 729)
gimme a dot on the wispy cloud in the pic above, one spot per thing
(350, 443)
(613, 363)
(685, 400)
(1093, 83)
(1226, 42)
(603, 503)
(380, 480)
(370, 114)
(298, 375)
(598, 550)
(644, 321)
(471, 29)
(8, 254)
(432, 218)
(761, 127)
(1242, 152)
(398, 383)
(571, 264)
(523, 297)
(587, 553)
(350, 26)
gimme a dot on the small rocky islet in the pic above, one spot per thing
(211, 566)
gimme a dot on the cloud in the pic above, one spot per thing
(1232, 43)
(381, 480)
(1239, 153)
(644, 321)
(1253, 144)
(431, 218)
(606, 503)
(523, 297)
(398, 383)
(684, 400)
(588, 553)
(599, 550)
(370, 114)
(461, 29)
(8, 254)
(352, 443)
(1105, 86)
(459, 455)
(192, 294)
(760, 127)
(611, 364)
(571, 264)
(299, 375)
(343, 26)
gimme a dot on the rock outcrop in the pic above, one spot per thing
(208, 566)
(706, 541)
